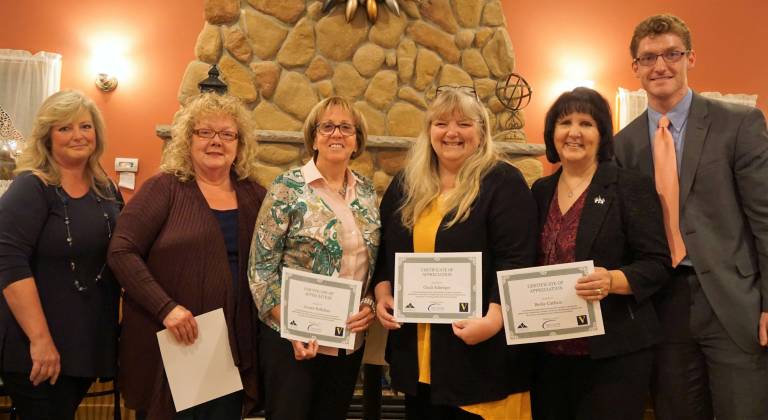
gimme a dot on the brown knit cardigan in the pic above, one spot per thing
(168, 250)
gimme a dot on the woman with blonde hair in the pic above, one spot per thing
(455, 194)
(59, 306)
(181, 249)
(323, 218)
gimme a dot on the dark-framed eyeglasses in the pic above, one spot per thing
(467, 90)
(647, 60)
(327, 128)
(208, 133)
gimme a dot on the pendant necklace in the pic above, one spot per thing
(570, 190)
(79, 285)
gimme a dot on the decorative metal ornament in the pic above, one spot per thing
(373, 11)
(393, 6)
(371, 7)
(11, 139)
(328, 5)
(351, 9)
(514, 92)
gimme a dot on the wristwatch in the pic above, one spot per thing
(370, 302)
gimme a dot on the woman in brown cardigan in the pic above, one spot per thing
(181, 250)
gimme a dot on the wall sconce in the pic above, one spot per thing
(106, 82)
(109, 62)
(571, 84)
(574, 72)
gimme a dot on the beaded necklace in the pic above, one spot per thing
(82, 286)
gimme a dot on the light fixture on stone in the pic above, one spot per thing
(371, 7)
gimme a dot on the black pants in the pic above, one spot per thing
(45, 401)
(574, 387)
(319, 388)
(228, 407)
(419, 407)
(700, 373)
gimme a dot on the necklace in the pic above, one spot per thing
(343, 190)
(577, 187)
(79, 285)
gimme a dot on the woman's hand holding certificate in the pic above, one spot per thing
(361, 320)
(474, 331)
(438, 288)
(553, 302)
(318, 308)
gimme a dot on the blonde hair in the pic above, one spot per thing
(310, 124)
(177, 158)
(62, 108)
(421, 177)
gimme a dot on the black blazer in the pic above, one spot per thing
(502, 226)
(621, 227)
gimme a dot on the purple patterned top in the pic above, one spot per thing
(558, 246)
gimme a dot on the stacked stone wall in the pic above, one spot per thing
(282, 57)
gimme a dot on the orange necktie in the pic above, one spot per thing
(668, 187)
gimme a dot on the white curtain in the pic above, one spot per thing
(25, 81)
(630, 104)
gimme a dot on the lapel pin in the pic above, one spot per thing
(599, 200)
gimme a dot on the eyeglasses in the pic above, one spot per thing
(467, 90)
(327, 128)
(648, 60)
(208, 133)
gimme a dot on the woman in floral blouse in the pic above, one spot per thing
(323, 218)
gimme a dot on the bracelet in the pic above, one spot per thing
(370, 302)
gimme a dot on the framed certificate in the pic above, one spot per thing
(540, 304)
(316, 307)
(438, 288)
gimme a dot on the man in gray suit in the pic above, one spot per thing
(713, 360)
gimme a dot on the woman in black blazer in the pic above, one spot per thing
(592, 210)
(455, 195)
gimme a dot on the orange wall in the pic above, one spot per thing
(161, 38)
(729, 44)
(728, 35)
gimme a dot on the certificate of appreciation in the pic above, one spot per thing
(316, 307)
(438, 288)
(540, 304)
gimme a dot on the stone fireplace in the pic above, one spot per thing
(282, 57)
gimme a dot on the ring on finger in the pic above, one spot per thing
(599, 291)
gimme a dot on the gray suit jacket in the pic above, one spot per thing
(723, 206)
